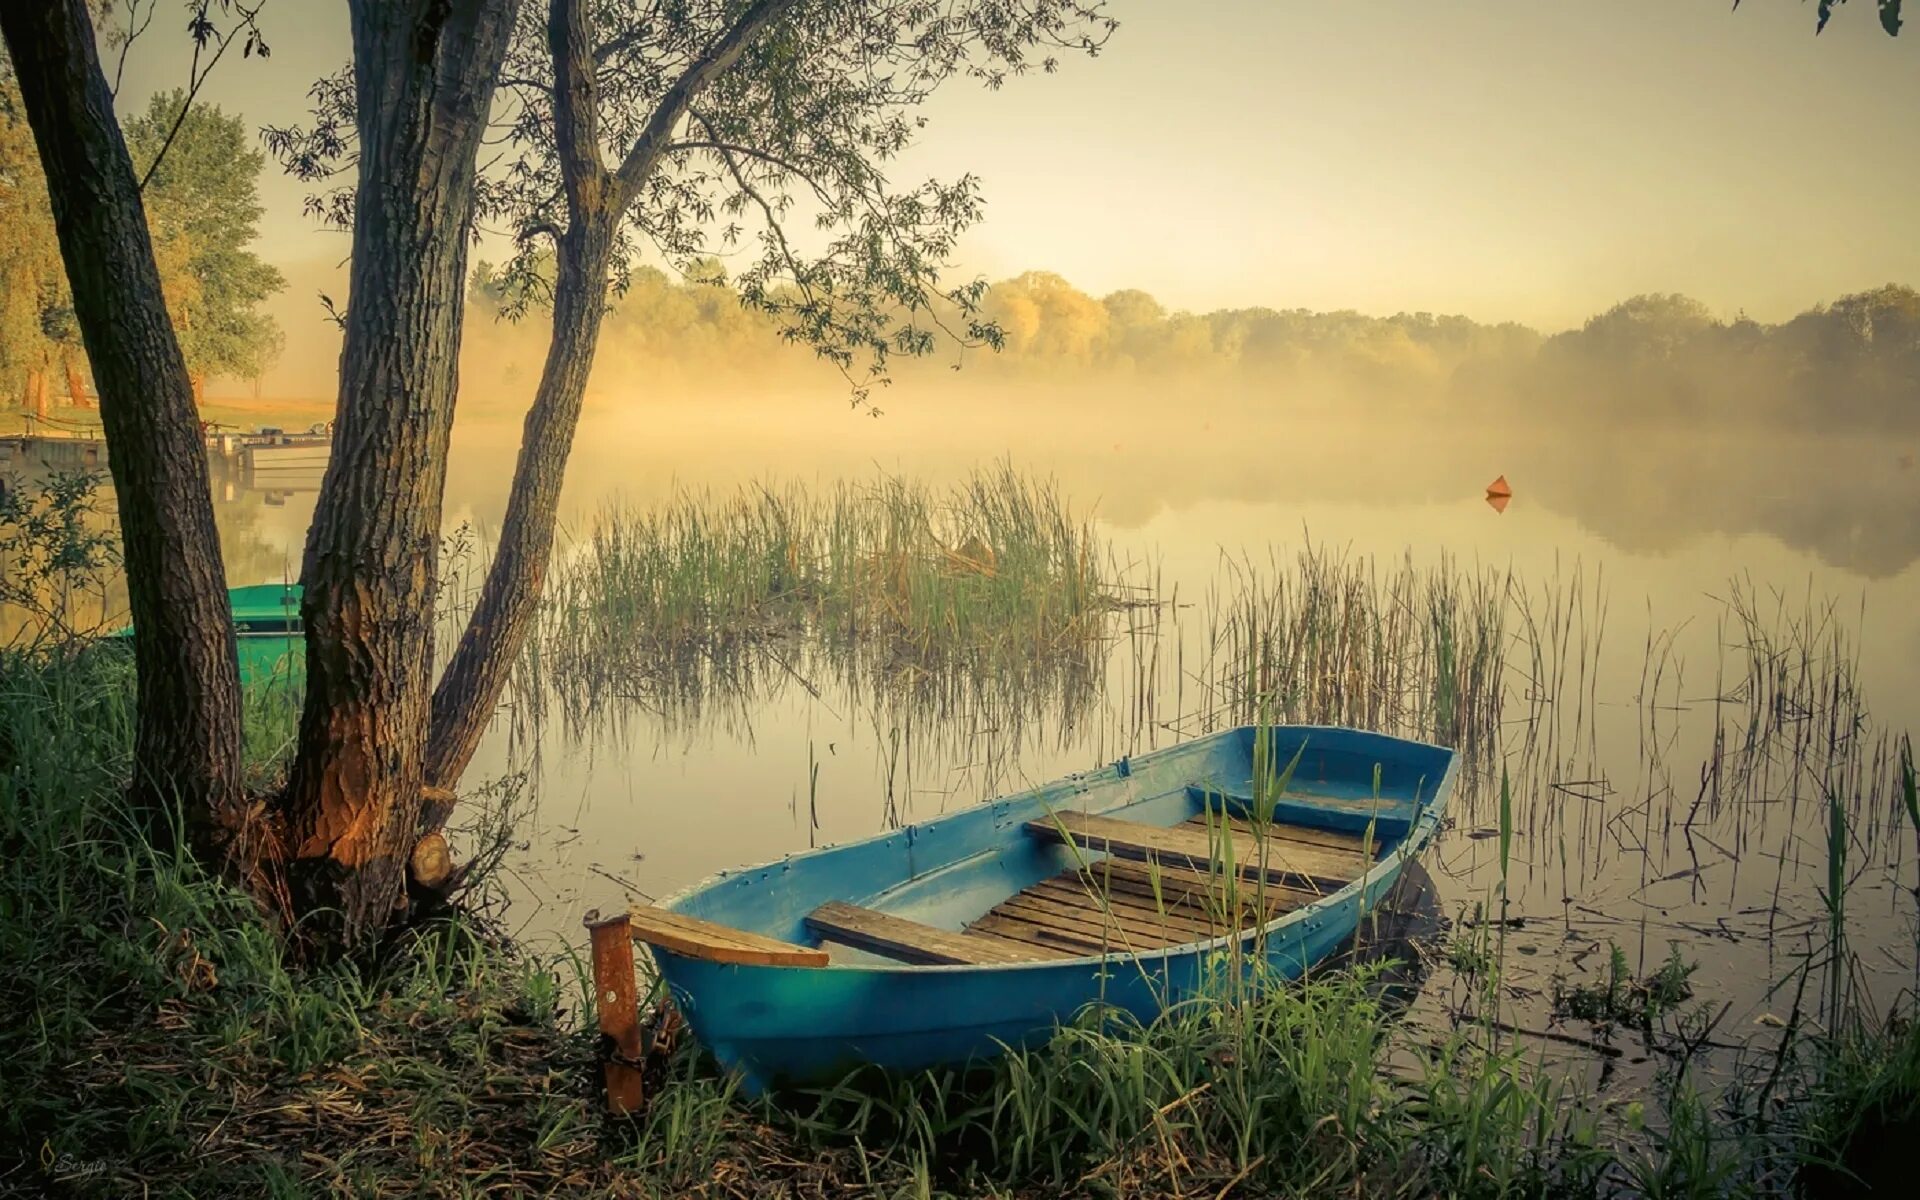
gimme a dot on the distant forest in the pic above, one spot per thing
(1853, 363)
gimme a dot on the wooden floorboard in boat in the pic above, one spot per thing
(1197, 921)
(1186, 845)
(1045, 937)
(1110, 908)
(1122, 930)
(912, 941)
(1173, 908)
(1191, 886)
(1072, 894)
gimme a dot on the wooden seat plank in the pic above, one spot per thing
(697, 938)
(911, 941)
(1188, 846)
(1330, 839)
(1392, 812)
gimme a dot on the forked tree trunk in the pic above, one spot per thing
(470, 688)
(424, 72)
(596, 201)
(187, 740)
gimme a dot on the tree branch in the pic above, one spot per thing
(135, 27)
(202, 29)
(654, 139)
(724, 148)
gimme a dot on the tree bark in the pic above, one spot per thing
(474, 679)
(476, 675)
(187, 740)
(425, 72)
(596, 200)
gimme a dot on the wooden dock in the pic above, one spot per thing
(273, 458)
(33, 451)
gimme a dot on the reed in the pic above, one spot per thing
(1331, 639)
(995, 581)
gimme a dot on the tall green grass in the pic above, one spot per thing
(158, 1039)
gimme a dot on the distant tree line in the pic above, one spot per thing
(1854, 362)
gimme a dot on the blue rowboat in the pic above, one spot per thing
(1133, 886)
(267, 633)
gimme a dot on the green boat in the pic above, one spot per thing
(266, 627)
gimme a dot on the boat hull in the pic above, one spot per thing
(788, 1026)
(268, 636)
(796, 1026)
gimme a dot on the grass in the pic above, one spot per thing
(985, 611)
(159, 1040)
(1336, 640)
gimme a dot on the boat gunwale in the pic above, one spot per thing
(1416, 839)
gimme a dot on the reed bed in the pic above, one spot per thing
(1338, 640)
(887, 582)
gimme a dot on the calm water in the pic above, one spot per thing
(1662, 793)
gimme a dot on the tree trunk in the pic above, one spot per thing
(470, 689)
(424, 71)
(76, 386)
(187, 740)
(596, 201)
(199, 381)
(37, 393)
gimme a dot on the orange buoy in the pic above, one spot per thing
(1498, 503)
(1499, 488)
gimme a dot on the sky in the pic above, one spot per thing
(1506, 159)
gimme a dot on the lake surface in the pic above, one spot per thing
(1707, 633)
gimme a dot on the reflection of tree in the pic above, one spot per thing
(1843, 499)
(247, 545)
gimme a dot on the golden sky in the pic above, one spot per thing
(1532, 160)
